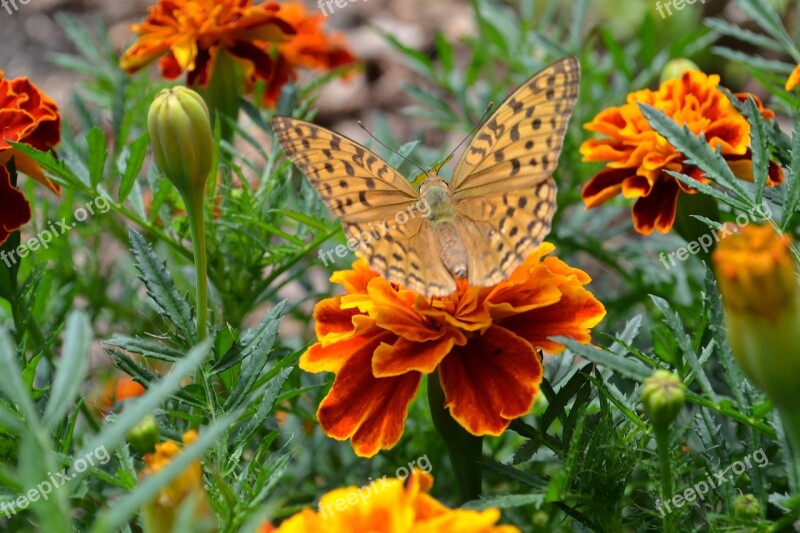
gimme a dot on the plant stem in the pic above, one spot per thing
(665, 465)
(194, 207)
(463, 448)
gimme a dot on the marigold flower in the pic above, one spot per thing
(794, 79)
(26, 116)
(757, 277)
(161, 513)
(268, 41)
(380, 338)
(116, 390)
(637, 156)
(390, 505)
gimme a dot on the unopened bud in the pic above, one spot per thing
(144, 436)
(746, 507)
(181, 137)
(662, 397)
(675, 68)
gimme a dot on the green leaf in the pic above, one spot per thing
(724, 27)
(685, 344)
(759, 146)
(72, 368)
(620, 365)
(145, 347)
(793, 178)
(161, 287)
(507, 501)
(120, 513)
(11, 385)
(264, 409)
(137, 408)
(98, 153)
(257, 346)
(133, 164)
(59, 170)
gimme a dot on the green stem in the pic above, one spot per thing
(222, 93)
(194, 208)
(691, 229)
(790, 417)
(665, 466)
(463, 448)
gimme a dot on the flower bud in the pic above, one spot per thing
(746, 507)
(756, 274)
(662, 397)
(676, 67)
(181, 137)
(757, 277)
(144, 436)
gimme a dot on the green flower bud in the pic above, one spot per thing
(662, 397)
(675, 69)
(746, 507)
(181, 137)
(144, 436)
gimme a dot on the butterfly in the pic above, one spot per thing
(496, 209)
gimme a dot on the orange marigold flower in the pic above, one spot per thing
(794, 79)
(116, 390)
(161, 514)
(380, 338)
(26, 116)
(393, 505)
(268, 41)
(637, 156)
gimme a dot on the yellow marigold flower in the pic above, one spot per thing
(390, 505)
(379, 339)
(757, 277)
(794, 79)
(161, 513)
(637, 156)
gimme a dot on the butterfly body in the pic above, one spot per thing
(496, 209)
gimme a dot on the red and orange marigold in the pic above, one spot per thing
(269, 41)
(30, 117)
(379, 339)
(637, 156)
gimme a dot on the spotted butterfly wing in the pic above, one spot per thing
(369, 197)
(502, 187)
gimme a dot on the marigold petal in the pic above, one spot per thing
(406, 356)
(572, 316)
(490, 381)
(794, 79)
(330, 357)
(604, 185)
(14, 208)
(657, 210)
(395, 312)
(368, 410)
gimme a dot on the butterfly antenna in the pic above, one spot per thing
(363, 127)
(474, 129)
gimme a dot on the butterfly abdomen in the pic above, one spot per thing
(451, 248)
